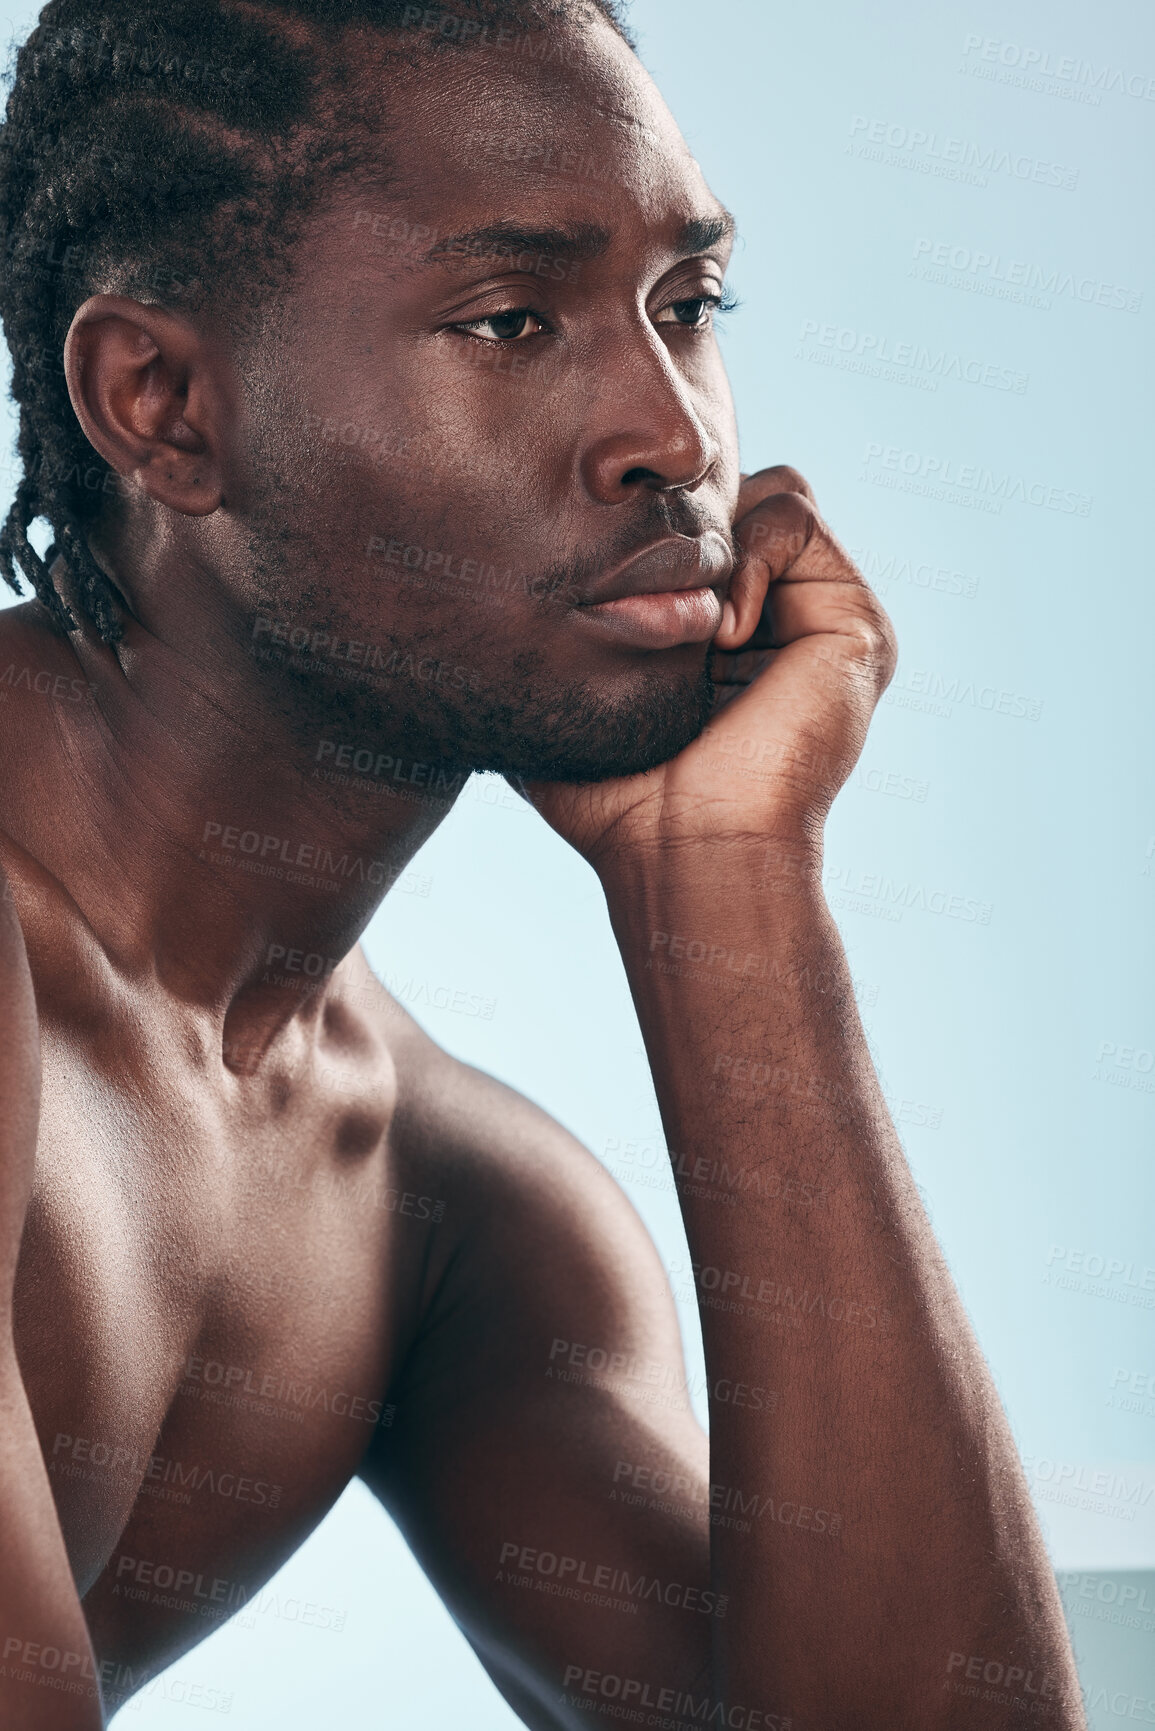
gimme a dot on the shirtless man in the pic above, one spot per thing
(233, 1168)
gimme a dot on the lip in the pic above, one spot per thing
(664, 596)
(667, 567)
(656, 618)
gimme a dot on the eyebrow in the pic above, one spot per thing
(703, 233)
(501, 239)
(581, 241)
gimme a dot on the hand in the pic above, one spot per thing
(804, 653)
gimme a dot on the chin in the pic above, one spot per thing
(581, 736)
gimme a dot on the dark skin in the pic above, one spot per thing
(239, 1163)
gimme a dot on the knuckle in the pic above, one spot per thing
(789, 479)
(781, 526)
(880, 644)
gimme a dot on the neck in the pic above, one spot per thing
(218, 830)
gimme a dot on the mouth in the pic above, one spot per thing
(664, 596)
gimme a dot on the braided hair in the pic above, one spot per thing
(167, 150)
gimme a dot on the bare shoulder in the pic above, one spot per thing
(541, 1271)
(513, 1179)
(37, 668)
(41, 687)
(546, 1368)
(540, 1263)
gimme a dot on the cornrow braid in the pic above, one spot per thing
(167, 150)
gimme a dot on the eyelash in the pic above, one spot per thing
(725, 302)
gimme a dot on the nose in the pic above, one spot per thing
(648, 432)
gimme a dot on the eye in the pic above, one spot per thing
(697, 313)
(505, 328)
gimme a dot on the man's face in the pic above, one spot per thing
(498, 383)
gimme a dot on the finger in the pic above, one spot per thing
(744, 604)
(769, 532)
(812, 576)
(786, 532)
(742, 668)
(779, 478)
(811, 585)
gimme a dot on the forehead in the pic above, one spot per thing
(563, 127)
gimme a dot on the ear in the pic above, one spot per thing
(142, 385)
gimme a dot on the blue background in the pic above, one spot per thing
(1009, 767)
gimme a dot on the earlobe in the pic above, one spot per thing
(138, 378)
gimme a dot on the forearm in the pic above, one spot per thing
(818, 1276)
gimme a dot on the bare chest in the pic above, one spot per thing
(210, 1306)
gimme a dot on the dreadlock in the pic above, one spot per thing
(167, 150)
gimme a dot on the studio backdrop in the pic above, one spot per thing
(946, 281)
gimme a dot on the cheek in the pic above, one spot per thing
(454, 461)
(433, 567)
